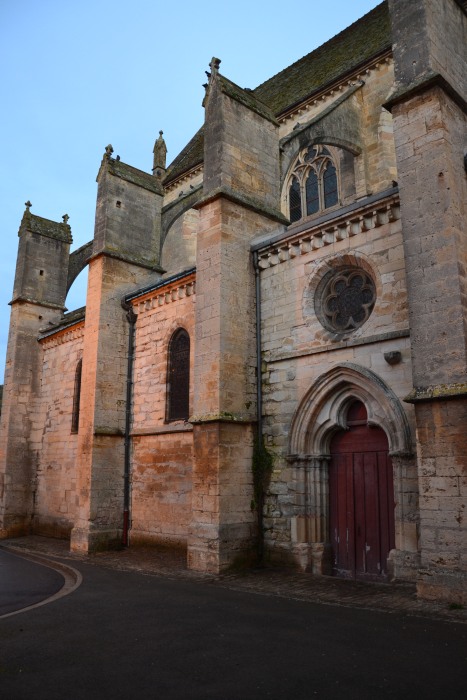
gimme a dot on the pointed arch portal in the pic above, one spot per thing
(342, 437)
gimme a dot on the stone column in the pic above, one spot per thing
(310, 529)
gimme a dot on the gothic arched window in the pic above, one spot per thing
(178, 376)
(313, 185)
(76, 398)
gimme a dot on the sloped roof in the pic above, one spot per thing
(45, 227)
(364, 39)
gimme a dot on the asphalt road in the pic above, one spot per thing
(129, 635)
(24, 582)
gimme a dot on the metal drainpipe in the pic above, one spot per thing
(259, 389)
(131, 318)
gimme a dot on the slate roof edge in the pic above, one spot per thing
(45, 227)
(135, 176)
(325, 87)
(68, 321)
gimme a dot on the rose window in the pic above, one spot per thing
(346, 299)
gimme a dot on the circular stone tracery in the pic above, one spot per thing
(345, 299)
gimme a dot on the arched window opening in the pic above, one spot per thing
(76, 398)
(314, 183)
(178, 376)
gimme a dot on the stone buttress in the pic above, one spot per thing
(125, 253)
(430, 130)
(241, 199)
(38, 300)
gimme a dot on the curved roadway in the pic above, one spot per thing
(24, 582)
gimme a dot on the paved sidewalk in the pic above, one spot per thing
(171, 564)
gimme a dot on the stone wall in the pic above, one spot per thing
(162, 451)
(52, 440)
(298, 350)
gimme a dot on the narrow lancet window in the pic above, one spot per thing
(76, 398)
(178, 376)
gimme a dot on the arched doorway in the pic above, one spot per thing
(361, 498)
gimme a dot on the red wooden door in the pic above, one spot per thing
(361, 506)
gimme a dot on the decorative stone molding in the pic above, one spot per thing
(330, 92)
(174, 291)
(325, 233)
(63, 336)
(184, 179)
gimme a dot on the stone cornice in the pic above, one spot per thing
(29, 300)
(272, 357)
(358, 74)
(140, 262)
(171, 291)
(189, 175)
(424, 83)
(62, 336)
(308, 236)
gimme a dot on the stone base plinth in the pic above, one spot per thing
(450, 587)
(87, 541)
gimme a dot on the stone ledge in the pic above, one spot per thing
(162, 430)
(244, 201)
(423, 84)
(352, 342)
(223, 417)
(437, 392)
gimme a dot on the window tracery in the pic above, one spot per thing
(345, 299)
(313, 184)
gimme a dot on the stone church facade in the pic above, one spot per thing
(272, 355)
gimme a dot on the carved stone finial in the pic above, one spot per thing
(160, 154)
(28, 205)
(214, 65)
(65, 218)
(109, 150)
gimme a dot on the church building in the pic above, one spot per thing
(272, 359)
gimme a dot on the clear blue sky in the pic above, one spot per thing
(79, 74)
